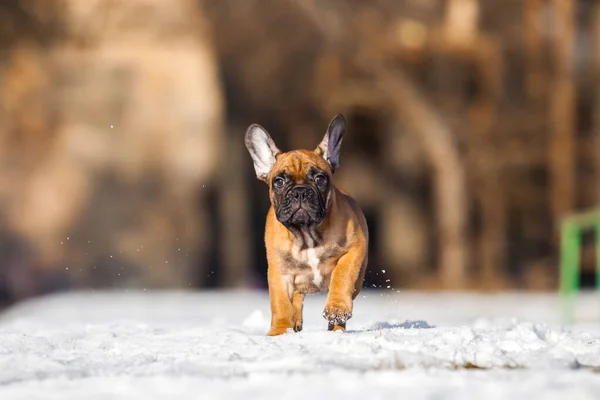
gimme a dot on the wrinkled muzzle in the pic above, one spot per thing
(301, 205)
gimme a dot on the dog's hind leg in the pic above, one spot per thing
(297, 303)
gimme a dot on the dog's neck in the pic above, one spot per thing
(311, 235)
(306, 236)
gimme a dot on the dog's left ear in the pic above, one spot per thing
(330, 146)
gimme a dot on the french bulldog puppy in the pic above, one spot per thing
(316, 235)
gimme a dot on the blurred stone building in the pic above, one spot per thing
(111, 136)
(471, 132)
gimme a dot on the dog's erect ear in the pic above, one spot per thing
(330, 146)
(262, 149)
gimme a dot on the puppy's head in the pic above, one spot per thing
(300, 181)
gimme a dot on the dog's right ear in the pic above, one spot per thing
(262, 149)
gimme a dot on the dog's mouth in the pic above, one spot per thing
(300, 217)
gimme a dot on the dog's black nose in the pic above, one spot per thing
(300, 193)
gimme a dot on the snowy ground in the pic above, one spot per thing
(177, 345)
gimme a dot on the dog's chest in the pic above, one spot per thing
(311, 268)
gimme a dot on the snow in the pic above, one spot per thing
(211, 345)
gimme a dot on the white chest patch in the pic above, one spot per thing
(313, 261)
(309, 256)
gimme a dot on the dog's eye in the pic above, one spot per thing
(321, 180)
(278, 182)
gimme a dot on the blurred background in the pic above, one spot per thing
(473, 128)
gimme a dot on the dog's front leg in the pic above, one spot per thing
(280, 295)
(338, 307)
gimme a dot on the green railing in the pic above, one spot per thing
(570, 247)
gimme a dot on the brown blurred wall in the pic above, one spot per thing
(111, 135)
(121, 123)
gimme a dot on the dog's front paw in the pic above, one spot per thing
(336, 316)
(277, 330)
